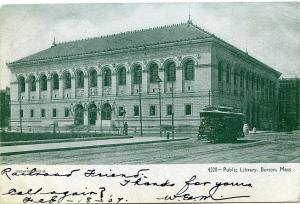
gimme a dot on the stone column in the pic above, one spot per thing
(144, 82)
(128, 83)
(27, 90)
(178, 84)
(113, 84)
(86, 86)
(99, 85)
(73, 87)
(49, 88)
(61, 87)
(37, 90)
(85, 118)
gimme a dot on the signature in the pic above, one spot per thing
(211, 194)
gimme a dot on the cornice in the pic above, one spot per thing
(245, 56)
(110, 52)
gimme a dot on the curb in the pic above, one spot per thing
(5, 144)
(90, 146)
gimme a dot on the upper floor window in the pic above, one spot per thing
(121, 76)
(171, 71)
(242, 79)
(188, 70)
(22, 84)
(247, 80)
(67, 80)
(93, 78)
(106, 77)
(32, 83)
(228, 74)
(43, 82)
(55, 81)
(79, 79)
(137, 75)
(153, 73)
(219, 71)
(235, 77)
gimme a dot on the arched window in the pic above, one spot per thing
(219, 71)
(22, 84)
(253, 81)
(247, 80)
(242, 79)
(67, 80)
(188, 70)
(93, 78)
(43, 82)
(106, 77)
(235, 77)
(153, 73)
(121, 76)
(171, 71)
(32, 83)
(137, 75)
(55, 81)
(227, 74)
(79, 79)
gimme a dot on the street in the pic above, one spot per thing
(262, 148)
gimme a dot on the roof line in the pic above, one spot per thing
(126, 32)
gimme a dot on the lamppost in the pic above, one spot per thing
(173, 78)
(140, 98)
(158, 80)
(20, 106)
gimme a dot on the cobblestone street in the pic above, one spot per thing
(266, 148)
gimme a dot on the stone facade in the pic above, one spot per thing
(82, 89)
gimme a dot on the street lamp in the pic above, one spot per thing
(158, 80)
(20, 98)
(140, 99)
(173, 79)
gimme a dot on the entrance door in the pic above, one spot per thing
(79, 115)
(106, 111)
(92, 114)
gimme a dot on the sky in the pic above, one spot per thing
(268, 31)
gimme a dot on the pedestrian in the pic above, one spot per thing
(125, 128)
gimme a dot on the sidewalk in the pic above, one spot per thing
(21, 149)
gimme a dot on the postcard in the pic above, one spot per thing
(152, 102)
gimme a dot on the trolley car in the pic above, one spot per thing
(220, 124)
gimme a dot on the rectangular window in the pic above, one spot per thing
(54, 112)
(136, 110)
(67, 112)
(152, 110)
(31, 113)
(121, 111)
(43, 113)
(21, 113)
(169, 110)
(188, 109)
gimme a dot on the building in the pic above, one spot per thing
(100, 81)
(289, 107)
(4, 107)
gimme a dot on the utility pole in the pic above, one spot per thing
(20, 107)
(158, 80)
(173, 106)
(209, 97)
(140, 98)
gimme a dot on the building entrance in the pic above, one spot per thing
(106, 111)
(79, 115)
(92, 114)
